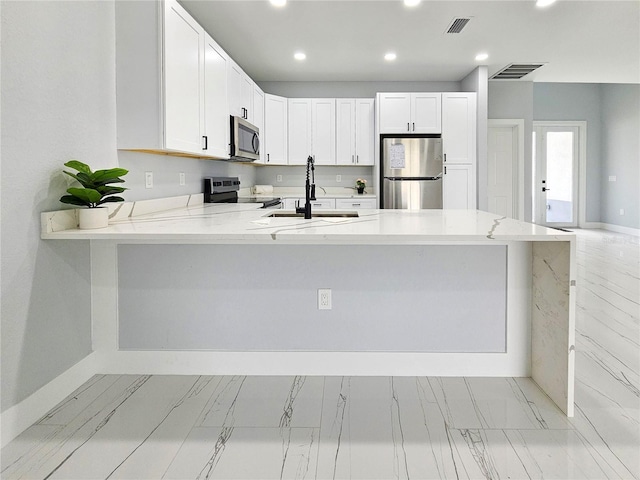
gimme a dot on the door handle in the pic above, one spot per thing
(545, 189)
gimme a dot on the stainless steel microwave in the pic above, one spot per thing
(245, 140)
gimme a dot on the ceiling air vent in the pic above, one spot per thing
(516, 71)
(457, 24)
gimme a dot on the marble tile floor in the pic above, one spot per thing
(189, 427)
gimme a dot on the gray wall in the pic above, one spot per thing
(576, 101)
(513, 100)
(166, 174)
(58, 103)
(620, 155)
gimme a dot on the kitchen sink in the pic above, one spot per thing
(291, 214)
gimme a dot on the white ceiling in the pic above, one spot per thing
(596, 41)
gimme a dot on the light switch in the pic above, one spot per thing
(612, 178)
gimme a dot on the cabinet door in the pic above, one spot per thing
(183, 57)
(395, 112)
(345, 131)
(458, 187)
(234, 88)
(258, 118)
(426, 116)
(274, 139)
(299, 130)
(323, 130)
(365, 134)
(459, 128)
(216, 113)
(246, 98)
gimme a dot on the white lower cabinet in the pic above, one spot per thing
(458, 187)
(332, 203)
(355, 203)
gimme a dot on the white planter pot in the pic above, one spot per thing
(93, 218)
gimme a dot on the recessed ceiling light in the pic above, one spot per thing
(278, 3)
(544, 3)
(390, 56)
(411, 3)
(482, 56)
(299, 56)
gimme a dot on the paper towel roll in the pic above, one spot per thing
(262, 189)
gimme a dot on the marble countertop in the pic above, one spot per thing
(248, 224)
(321, 192)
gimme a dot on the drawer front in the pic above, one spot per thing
(355, 203)
(321, 203)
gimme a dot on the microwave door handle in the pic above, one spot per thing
(255, 143)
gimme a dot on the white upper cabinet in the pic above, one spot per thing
(258, 117)
(459, 128)
(323, 131)
(410, 112)
(169, 81)
(240, 92)
(365, 115)
(274, 139)
(355, 131)
(216, 114)
(184, 86)
(300, 118)
(426, 115)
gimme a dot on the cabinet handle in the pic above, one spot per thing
(445, 170)
(445, 157)
(268, 159)
(206, 142)
(408, 129)
(414, 126)
(355, 204)
(352, 159)
(357, 158)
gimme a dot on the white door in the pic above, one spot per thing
(426, 113)
(502, 159)
(365, 135)
(395, 112)
(183, 57)
(274, 139)
(556, 160)
(299, 130)
(216, 113)
(458, 187)
(345, 131)
(323, 127)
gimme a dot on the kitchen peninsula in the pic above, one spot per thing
(234, 290)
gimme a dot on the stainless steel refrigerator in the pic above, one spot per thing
(411, 171)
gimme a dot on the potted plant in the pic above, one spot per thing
(360, 185)
(97, 190)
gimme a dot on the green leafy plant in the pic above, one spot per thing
(360, 184)
(97, 189)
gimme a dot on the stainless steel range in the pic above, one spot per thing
(225, 190)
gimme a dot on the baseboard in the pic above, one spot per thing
(620, 229)
(591, 225)
(21, 416)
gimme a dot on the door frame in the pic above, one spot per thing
(517, 125)
(581, 125)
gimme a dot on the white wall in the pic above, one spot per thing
(514, 100)
(621, 155)
(58, 103)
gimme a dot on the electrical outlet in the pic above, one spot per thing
(324, 299)
(622, 211)
(338, 178)
(612, 178)
(148, 179)
(278, 178)
(182, 179)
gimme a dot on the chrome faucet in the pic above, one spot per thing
(309, 189)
